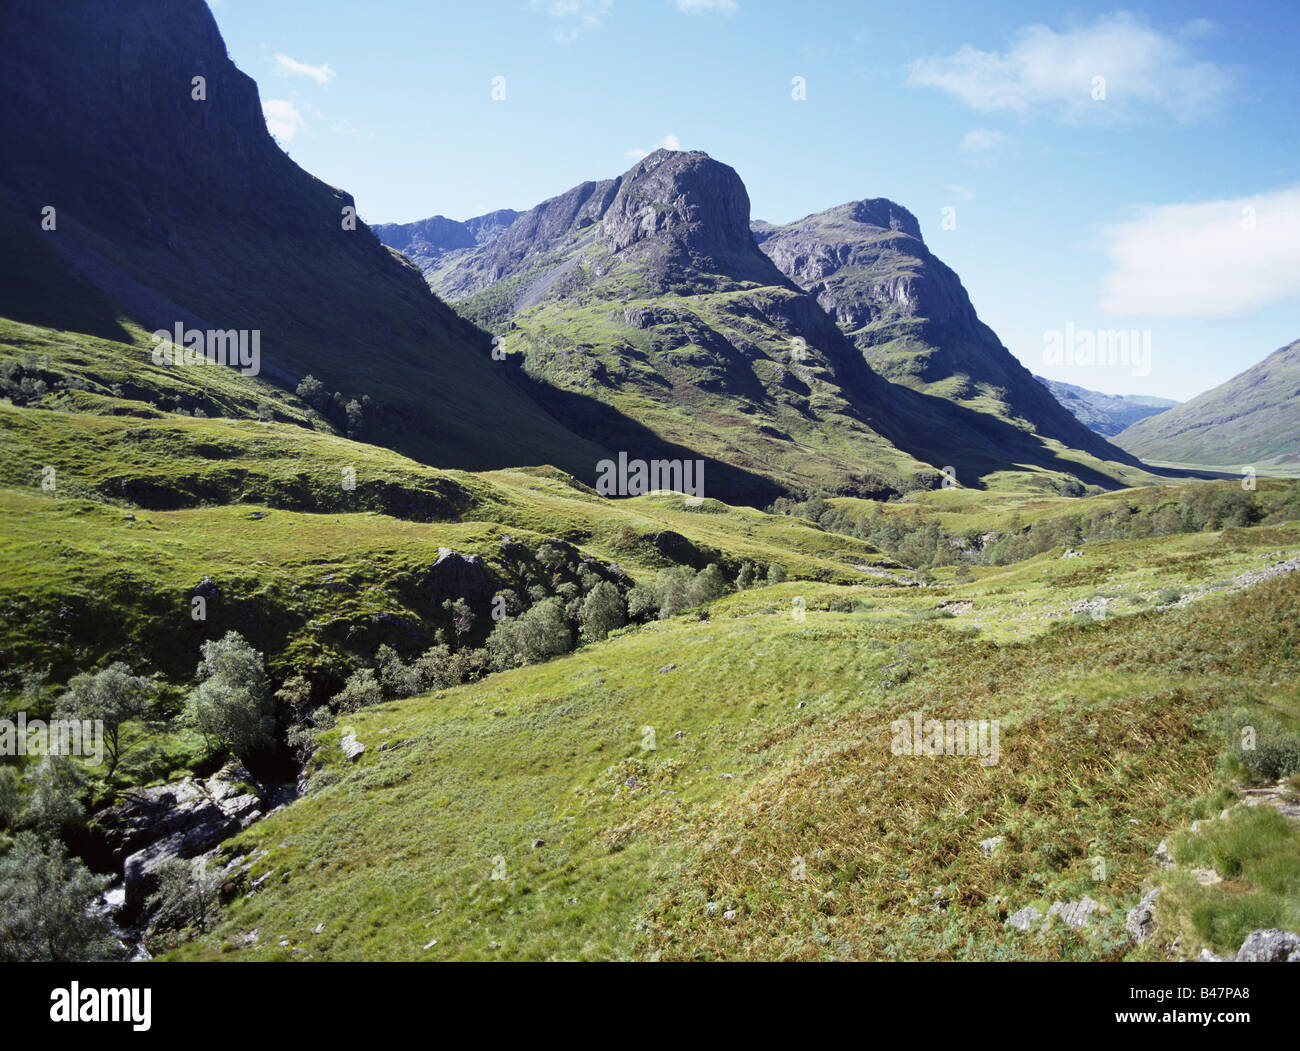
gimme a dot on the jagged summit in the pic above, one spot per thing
(907, 312)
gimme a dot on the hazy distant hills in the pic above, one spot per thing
(1254, 418)
(1106, 414)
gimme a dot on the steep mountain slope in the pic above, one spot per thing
(869, 268)
(195, 215)
(1254, 418)
(647, 294)
(1107, 414)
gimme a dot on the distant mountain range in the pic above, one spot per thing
(834, 353)
(1106, 414)
(1254, 418)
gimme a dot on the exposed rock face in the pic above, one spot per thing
(868, 267)
(1270, 946)
(456, 576)
(1141, 920)
(428, 241)
(150, 825)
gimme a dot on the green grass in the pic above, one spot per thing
(1104, 749)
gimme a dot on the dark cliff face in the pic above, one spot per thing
(907, 312)
(185, 209)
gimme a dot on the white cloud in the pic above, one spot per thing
(1212, 259)
(282, 118)
(575, 16)
(983, 140)
(668, 142)
(707, 7)
(1046, 71)
(292, 67)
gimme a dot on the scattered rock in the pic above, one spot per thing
(988, 846)
(667, 668)
(1141, 920)
(711, 909)
(352, 748)
(1074, 914)
(1162, 856)
(1024, 919)
(1207, 877)
(1272, 945)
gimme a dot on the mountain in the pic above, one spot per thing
(1254, 418)
(195, 215)
(907, 312)
(1106, 414)
(428, 241)
(650, 318)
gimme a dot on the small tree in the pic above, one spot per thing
(535, 635)
(48, 912)
(745, 579)
(11, 797)
(233, 706)
(602, 611)
(672, 588)
(776, 573)
(709, 584)
(187, 894)
(55, 801)
(360, 691)
(110, 697)
(312, 391)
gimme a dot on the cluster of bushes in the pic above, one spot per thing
(917, 540)
(345, 414)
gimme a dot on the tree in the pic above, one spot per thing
(776, 573)
(745, 578)
(672, 587)
(360, 691)
(109, 697)
(312, 391)
(602, 611)
(462, 618)
(709, 584)
(187, 894)
(49, 901)
(537, 634)
(11, 797)
(55, 801)
(233, 706)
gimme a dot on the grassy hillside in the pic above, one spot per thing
(1252, 420)
(523, 818)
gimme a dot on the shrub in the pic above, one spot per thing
(361, 690)
(48, 899)
(535, 635)
(602, 611)
(187, 894)
(233, 707)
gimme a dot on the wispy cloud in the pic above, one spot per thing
(707, 7)
(983, 140)
(668, 142)
(1043, 70)
(575, 17)
(282, 118)
(1211, 259)
(292, 67)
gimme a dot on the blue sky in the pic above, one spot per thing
(1163, 199)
